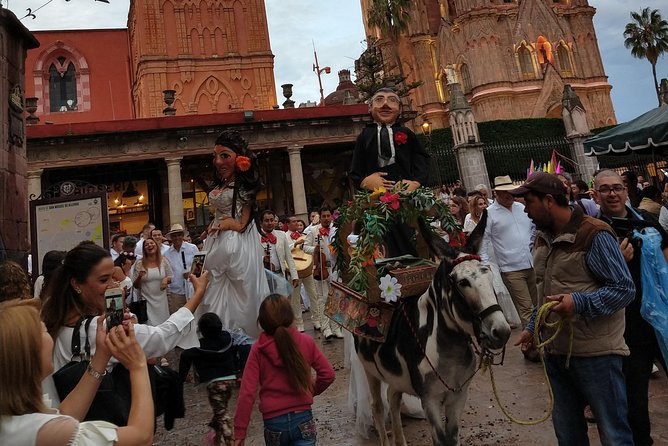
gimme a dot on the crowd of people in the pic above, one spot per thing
(241, 321)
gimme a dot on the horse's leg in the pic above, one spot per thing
(432, 404)
(394, 399)
(454, 406)
(377, 409)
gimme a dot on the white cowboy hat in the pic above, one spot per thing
(504, 183)
(176, 228)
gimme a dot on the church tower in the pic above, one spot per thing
(214, 53)
(512, 57)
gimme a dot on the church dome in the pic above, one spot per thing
(346, 93)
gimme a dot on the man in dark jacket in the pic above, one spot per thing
(387, 153)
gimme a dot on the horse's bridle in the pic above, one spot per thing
(482, 314)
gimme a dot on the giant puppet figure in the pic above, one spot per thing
(387, 153)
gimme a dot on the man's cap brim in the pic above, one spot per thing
(520, 191)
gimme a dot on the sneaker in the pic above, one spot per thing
(316, 326)
(338, 334)
(327, 333)
(300, 327)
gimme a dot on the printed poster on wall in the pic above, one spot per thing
(62, 223)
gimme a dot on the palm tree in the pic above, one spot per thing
(647, 38)
(391, 17)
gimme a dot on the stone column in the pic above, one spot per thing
(175, 191)
(297, 176)
(471, 165)
(586, 165)
(15, 40)
(34, 183)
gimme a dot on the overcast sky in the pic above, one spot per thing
(335, 26)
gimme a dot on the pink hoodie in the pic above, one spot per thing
(277, 396)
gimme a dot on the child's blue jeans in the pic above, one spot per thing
(291, 429)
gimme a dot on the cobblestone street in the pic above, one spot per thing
(521, 386)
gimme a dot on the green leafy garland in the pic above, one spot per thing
(379, 210)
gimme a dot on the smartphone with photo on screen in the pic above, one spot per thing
(113, 301)
(198, 264)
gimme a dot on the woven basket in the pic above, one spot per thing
(414, 280)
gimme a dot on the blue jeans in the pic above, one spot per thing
(291, 429)
(597, 381)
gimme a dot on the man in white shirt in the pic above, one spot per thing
(116, 245)
(296, 239)
(180, 256)
(278, 258)
(318, 242)
(511, 233)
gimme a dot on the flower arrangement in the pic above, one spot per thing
(243, 163)
(378, 210)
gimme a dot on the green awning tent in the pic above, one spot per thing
(647, 132)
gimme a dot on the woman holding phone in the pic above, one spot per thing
(78, 289)
(234, 258)
(26, 358)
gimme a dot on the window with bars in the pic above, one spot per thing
(526, 63)
(466, 78)
(62, 86)
(564, 61)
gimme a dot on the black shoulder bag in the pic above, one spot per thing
(112, 400)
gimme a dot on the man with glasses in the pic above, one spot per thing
(387, 153)
(611, 194)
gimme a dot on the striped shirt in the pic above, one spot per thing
(607, 265)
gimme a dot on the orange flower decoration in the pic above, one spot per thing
(243, 163)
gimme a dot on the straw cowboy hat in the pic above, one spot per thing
(176, 228)
(504, 183)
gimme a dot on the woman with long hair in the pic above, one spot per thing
(477, 204)
(280, 364)
(77, 290)
(26, 359)
(50, 262)
(238, 282)
(152, 274)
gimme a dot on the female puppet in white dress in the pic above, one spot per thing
(237, 283)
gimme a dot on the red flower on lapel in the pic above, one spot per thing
(400, 138)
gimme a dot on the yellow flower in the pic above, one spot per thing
(378, 192)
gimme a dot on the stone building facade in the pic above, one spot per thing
(215, 55)
(15, 40)
(512, 58)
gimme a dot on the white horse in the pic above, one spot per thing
(428, 350)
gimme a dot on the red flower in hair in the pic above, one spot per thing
(400, 138)
(243, 163)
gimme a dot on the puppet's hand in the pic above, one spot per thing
(409, 185)
(376, 180)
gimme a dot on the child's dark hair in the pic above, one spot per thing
(275, 317)
(210, 325)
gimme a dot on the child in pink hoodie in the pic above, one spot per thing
(280, 364)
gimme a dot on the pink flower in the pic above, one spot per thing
(400, 138)
(391, 199)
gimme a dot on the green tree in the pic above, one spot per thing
(391, 18)
(370, 74)
(647, 38)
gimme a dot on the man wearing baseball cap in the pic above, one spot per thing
(579, 265)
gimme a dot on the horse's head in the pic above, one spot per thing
(465, 291)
